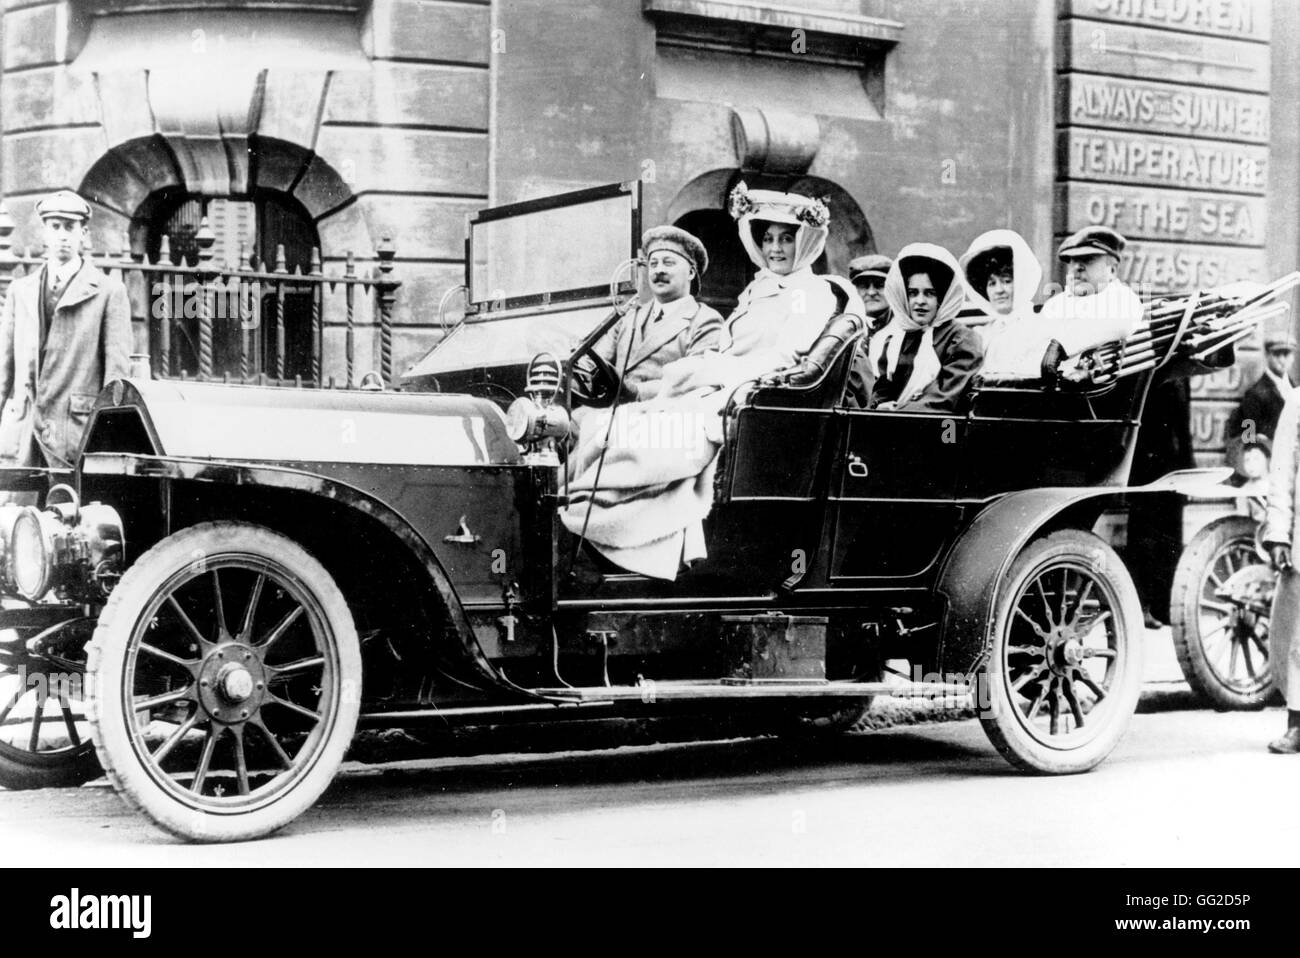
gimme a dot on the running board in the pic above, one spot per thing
(651, 692)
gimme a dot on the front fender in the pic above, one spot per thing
(281, 477)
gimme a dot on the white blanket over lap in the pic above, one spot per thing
(655, 485)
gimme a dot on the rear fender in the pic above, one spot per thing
(977, 564)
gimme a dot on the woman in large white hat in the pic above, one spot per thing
(785, 307)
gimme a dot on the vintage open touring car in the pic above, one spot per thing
(236, 578)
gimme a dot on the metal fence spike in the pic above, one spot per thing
(204, 238)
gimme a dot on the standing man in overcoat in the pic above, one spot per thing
(1279, 538)
(65, 332)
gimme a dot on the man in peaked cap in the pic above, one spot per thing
(867, 274)
(65, 332)
(1095, 307)
(673, 324)
(1262, 403)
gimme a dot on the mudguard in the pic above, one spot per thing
(258, 474)
(977, 563)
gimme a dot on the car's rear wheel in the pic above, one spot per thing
(44, 737)
(226, 688)
(1220, 608)
(1063, 675)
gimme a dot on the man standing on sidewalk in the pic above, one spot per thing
(1279, 537)
(65, 332)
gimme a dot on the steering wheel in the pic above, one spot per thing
(605, 380)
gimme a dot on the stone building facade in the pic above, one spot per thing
(338, 122)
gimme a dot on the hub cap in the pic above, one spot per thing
(1061, 650)
(234, 673)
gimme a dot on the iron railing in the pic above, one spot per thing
(234, 319)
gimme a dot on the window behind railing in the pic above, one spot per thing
(235, 317)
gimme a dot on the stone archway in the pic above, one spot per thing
(128, 180)
(285, 196)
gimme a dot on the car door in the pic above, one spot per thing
(892, 494)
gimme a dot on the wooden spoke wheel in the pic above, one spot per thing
(227, 678)
(44, 736)
(1219, 610)
(1063, 675)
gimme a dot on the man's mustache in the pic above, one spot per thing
(659, 278)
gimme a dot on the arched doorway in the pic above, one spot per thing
(290, 196)
(729, 268)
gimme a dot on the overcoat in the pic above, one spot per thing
(47, 398)
(653, 345)
(1261, 405)
(1280, 527)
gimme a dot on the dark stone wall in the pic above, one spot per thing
(964, 144)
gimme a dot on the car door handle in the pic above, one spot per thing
(857, 468)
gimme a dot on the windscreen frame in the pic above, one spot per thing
(484, 308)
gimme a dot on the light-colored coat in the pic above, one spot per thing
(88, 345)
(675, 335)
(1280, 527)
(1081, 322)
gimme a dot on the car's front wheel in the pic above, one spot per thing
(1063, 674)
(225, 682)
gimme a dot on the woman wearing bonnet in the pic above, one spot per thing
(643, 502)
(784, 308)
(1003, 277)
(923, 360)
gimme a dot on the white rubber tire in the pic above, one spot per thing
(1007, 726)
(142, 783)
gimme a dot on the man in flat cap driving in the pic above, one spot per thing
(673, 324)
(65, 331)
(1095, 307)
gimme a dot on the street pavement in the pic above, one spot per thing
(1178, 791)
(1161, 673)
